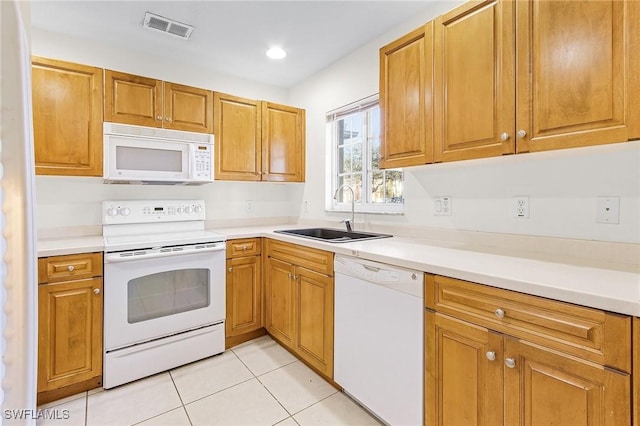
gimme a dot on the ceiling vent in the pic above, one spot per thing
(168, 26)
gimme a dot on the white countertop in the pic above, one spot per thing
(609, 289)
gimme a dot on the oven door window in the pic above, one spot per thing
(167, 293)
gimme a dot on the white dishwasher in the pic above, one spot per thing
(378, 349)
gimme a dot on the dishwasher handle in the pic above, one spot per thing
(375, 272)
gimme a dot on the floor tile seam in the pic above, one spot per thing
(180, 398)
(243, 363)
(218, 391)
(315, 403)
(278, 368)
(274, 397)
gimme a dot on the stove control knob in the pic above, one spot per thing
(112, 211)
(125, 211)
(179, 210)
(188, 209)
(197, 209)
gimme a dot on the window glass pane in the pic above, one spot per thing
(344, 159)
(355, 182)
(356, 157)
(393, 186)
(377, 187)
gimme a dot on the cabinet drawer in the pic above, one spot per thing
(316, 260)
(592, 334)
(69, 267)
(243, 247)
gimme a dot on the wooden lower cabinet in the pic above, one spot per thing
(635, 393)
(478, 376)
(299, 302)
(243, 291)
(69, 337)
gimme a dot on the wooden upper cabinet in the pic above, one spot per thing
(131, 99)
(67, 118)
(474, 81)
(188, 108)
(142, 101)
(578, 73)
(283, 143)
(406, 82)
(237, 124)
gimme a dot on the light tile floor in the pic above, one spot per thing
(257, 383)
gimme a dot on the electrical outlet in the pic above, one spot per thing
(442, 206)
(521, 207)
(249, 206)
(608, 210)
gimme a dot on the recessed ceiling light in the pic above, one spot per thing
(276, 53)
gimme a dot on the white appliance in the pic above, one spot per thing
(379, 338)
(164, 288)
(137, 154)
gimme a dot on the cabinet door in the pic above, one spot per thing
(474, 81)
(463, 374)
(237, 124)
(188, 108)
(406, 83)
(244, 295)
(635, 403)
(69, 333)
(314, 319)
(67, 118)
(279, 300)
(577, 77)
(131, 99)
(545, 387)
(283, 143)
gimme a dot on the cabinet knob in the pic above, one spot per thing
(510, 362)
(168, 119)
(499, 313)
(522, 133)
(159, 118)
(244, 248)
(491, 355)
(230, 269)
(504, 136)
(96, 291)
(70, 268)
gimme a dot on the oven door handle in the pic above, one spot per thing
(117, 258)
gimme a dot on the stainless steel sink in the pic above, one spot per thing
(333, 235)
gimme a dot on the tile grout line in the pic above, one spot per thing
(180, 397)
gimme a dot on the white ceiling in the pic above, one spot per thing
(230, 37)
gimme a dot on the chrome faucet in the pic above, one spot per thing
(348, 223)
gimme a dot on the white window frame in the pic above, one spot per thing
(332, 160)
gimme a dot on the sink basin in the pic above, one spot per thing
(332, 235)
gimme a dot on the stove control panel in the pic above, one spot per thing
(151, 211)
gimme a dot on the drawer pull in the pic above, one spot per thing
(70, 268)
(510, 362)
(96, 291)
(499, 313)
(244, 248)
(230, 269)
(491, 355)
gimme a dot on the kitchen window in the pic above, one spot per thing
(354, 137)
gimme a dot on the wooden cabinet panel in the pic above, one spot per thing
(67, 118)
(550, 388)
(406, 83)
(462, 385)
(69, 267)
(589, 333)
(279, 301)
(577, 84)
(244, 295)
(314, 318)
(283, 147)
(244, 247)
(188, 108)
(69, 333)
(474, 88)
(635, 389)
(313, 259)
(237, 126)
(131, 99)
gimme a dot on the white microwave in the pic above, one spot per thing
(146, 155)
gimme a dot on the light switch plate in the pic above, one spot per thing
(442, 206)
